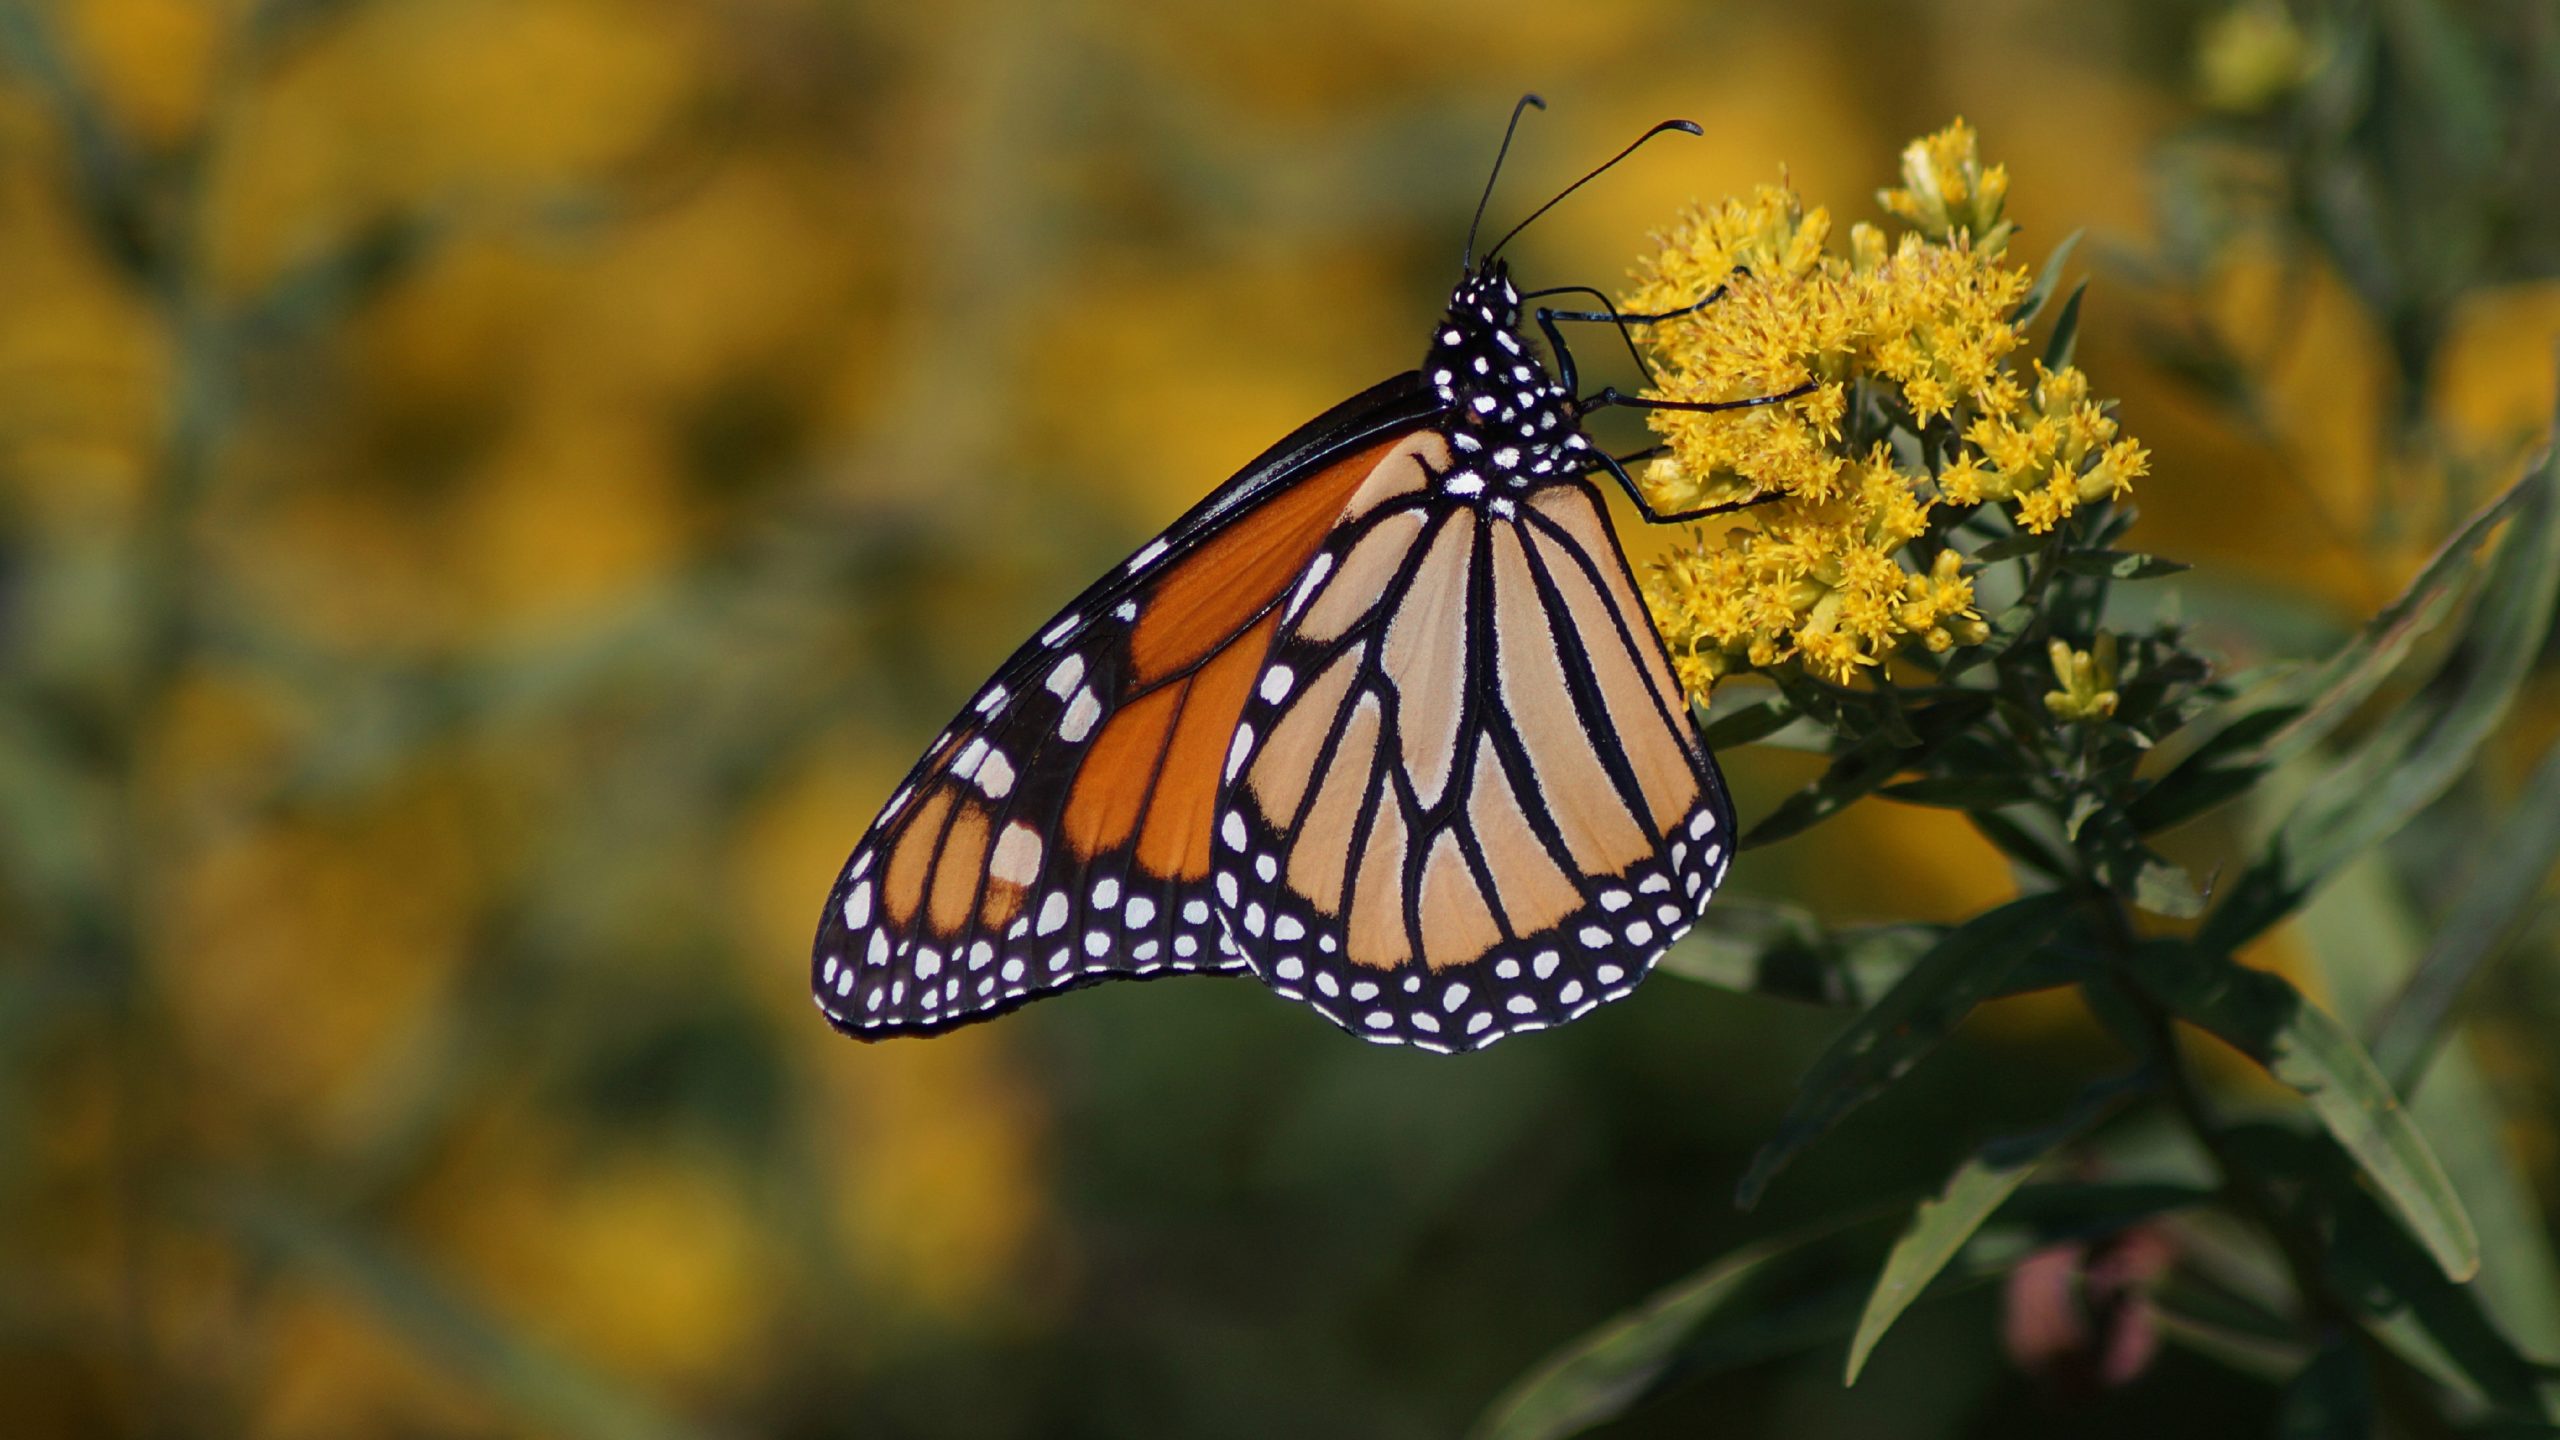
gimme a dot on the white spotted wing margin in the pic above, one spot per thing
(1467, 800)
(970, 895)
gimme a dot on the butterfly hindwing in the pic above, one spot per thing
(1059, 832)
(1468, 799)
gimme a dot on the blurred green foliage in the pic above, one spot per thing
(493, 494)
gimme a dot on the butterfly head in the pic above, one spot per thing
(1509, 422)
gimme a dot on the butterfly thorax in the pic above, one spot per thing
(1510, 425)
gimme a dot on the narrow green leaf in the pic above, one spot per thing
(2229, 1329)
(2368, 938)
(2120, 565)
(1962, 970)
(1766, 947)
(2261, 728)
(2022, 838)
(1742, 724)
(2011, 546)
(1945, 1221)
(1783, 1295)
(2399, 1291)
(2515, 862)
(2066, 330)
(2424, 747)
(1692, 1327)
(1862, 768)
(2299, 1043)
(2048, 281)
(1964, 792)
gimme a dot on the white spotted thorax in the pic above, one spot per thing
(1511, 426)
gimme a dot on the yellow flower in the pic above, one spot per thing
(1947, 192)
(1916, 327)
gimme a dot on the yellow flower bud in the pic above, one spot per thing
(2087, 679)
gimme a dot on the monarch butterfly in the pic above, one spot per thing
(1380, 722)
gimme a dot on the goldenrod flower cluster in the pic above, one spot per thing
(1911, 330)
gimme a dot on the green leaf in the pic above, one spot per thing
(2012, 546)
(2515, 862)
(1769, 948)
(1867, 764)
(2420, 750)
(1965, 792)
(2023, 838)
(2229, 1329)
(1959, 972)
(1944, 1222)
(1742, 724)
(2066, 330)
(2120, 565)
(2048, 281)
(2265, 1018)
(2398, 1290)
(1730, 1312)
(1785, 1294)
(2252, 733)
(2367, 939)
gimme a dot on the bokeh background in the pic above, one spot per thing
(494, 493)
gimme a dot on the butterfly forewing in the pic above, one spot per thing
(1060, 831)
(1466, 799)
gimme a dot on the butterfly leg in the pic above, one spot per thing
(1609, 314)
(1612, 395)
(1618, 468)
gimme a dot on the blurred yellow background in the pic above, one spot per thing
(493, 493)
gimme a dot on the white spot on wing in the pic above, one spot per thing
(1316, 572)
(1082, 711)
(1017, 855)
(1066, 676)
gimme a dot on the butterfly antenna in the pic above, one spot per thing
(1469, 261)
(1685, 127)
